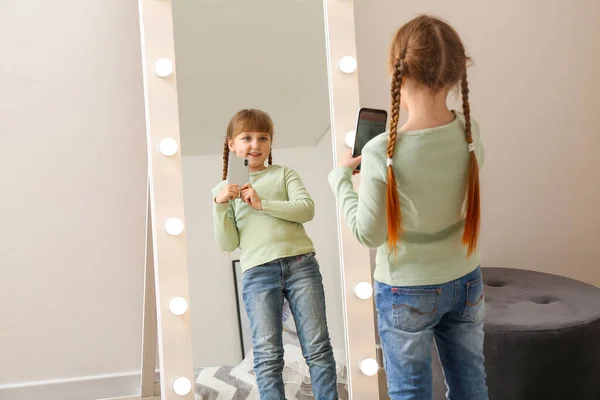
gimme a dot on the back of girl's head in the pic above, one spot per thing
(247, 120)
(430, 53)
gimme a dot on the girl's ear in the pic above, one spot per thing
(231, 146)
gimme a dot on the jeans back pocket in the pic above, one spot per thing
(415, 309)
(475, 300)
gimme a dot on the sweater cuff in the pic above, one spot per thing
(338, 174)
(220, 207)
(265, 206)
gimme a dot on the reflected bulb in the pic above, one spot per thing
(182, 386)
(168, 147)
(363, 290)
(368, 366)
(347, 64)
(178, 306)
(163, 67)
(174, 226)
(350, 138)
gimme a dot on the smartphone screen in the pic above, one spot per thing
(371, 122)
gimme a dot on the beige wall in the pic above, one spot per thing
(536, 95)
(72, 204)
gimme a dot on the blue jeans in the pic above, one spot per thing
(410, 318)
(264, 287)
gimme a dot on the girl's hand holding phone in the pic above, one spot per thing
(250, 197)
(229, 192)
(350, 162)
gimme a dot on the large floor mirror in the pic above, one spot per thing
(203, 63)
(271, 56)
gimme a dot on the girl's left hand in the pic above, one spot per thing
(348, 161)
(250, 197)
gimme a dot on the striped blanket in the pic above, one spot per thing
(239, 382)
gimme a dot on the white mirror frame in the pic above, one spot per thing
(354, 258)
(166, 198)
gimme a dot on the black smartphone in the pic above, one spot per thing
(370, 123)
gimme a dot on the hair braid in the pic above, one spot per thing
(225, 158)
(472, 219)
(392, 201)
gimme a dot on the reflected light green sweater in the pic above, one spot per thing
(277, 230)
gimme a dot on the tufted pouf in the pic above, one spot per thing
(542, 337)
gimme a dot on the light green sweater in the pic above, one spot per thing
(277, 230)
(431, 170)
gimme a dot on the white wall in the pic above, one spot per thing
(72, 204)
(535, 93)
(238, 54)
(213, 308)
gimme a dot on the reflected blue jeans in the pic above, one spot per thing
(264, 287)
(409, 320)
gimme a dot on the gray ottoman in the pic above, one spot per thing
(542, 337)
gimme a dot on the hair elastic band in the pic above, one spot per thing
(388, 162)
(471, 147)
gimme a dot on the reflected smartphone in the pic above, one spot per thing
(370, 123)
(237, 172)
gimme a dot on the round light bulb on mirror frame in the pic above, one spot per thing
(350, 138)
(178, 305)
(168, 147)
(363, 290)
(182, 386)
(347, 64)
(174, 226)
(163, 67)
(368, 366)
